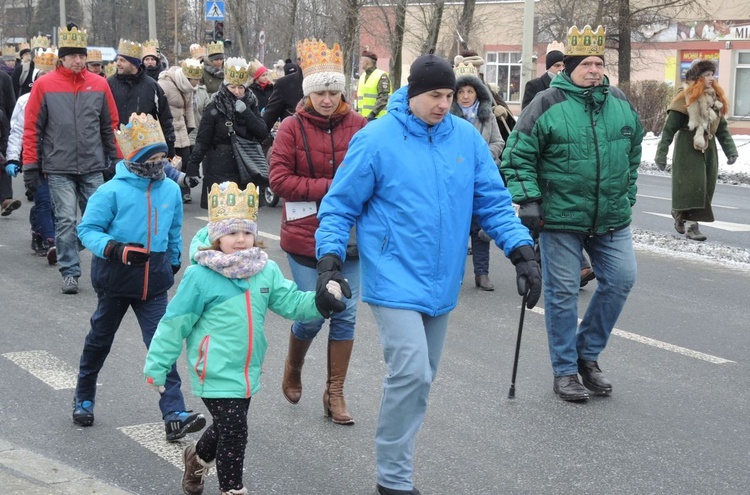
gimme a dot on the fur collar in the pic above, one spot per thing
(704, 115)
(484, 113)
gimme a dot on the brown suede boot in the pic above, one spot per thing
(291, 385)
(196, 470)
(339, 352)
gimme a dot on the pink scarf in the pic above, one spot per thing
(240, 264)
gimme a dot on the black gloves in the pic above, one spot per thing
(531, 215)
(731, 159)
(170, 150)
(132, 253)
(329, 268)
(108, 173)
(175, 269)
(31, 178)
(191, 181)
(528, 274)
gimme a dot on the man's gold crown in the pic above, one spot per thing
(45, 60)
(215, 47)
(150, 48)
(129, 49)
(235, 71)
(555, 46)
(465, 70)
(227, 201)
(315, 56)
(94, 56)
(39, 42)
(142, 130)
(197, 51)
(585, 43)
(110, 69)
(73, 38)
(192, 68)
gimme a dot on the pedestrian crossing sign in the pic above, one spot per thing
(215, 11)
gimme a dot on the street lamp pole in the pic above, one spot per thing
(528, 43)
(63, 22)
(152, 19)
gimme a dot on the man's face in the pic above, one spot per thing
(125, 67)
(75, 62)
(149, 62)
(365, 63)
(589, 72)
(218, 62)
(556, 68)
(432, 106)
(94, 67)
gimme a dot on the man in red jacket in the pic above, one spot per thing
(71, 118)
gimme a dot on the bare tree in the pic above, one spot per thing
(466, 20)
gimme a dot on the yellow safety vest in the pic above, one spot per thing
(367, 93)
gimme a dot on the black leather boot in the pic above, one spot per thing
(569, 388)
(592, 377)
(483, 282)
(390, 491)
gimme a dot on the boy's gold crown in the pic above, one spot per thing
(192, 68)
(110, 69)
(150, 48)
(45, 60)
(465, 70)
(315, 56)
(73, 38)
(142, 130)
(39, 42)
(93, 55)
(235, 71)
(197, 51)
(227, 201)
(129, 49)
(585, 43)
(215, 47)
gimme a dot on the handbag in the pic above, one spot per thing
(251, 161)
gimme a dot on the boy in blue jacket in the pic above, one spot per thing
(133, 226)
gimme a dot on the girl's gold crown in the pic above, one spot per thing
(235, 71)
(45, 60)
(585, 43)
(315, 56)
(192, 68)
(227, 201)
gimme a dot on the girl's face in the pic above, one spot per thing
(466, 96)
(708, 79)
(263, 79)
(237, 241)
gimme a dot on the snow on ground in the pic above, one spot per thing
(676, 245)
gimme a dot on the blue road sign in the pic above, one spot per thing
(215, 11)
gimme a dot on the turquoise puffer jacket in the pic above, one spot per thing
(225, 349)
(577, 150)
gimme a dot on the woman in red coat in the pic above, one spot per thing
(306, 153)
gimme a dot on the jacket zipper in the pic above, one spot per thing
(202, 358)
(598, 171)
(249, 307)
(148, 241)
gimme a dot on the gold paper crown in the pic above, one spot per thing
(150, 48)
(9, 50)
(585, 43)
(45, 60)
(94, 56)
(215, 47)
(197, 51)
(315, 56)
(555, 46)
(227, 201)
(142, 130)
(192, 68)
(465, 70)
(39, 42)
(129, 49)
(73, 38)
(253, 66)
(24, 46)
(110, 69)
(235, 71)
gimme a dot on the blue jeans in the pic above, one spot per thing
(104, 324)
(480, 250)
(41, 216)
(69, 193)
(341, 326)
(613, 260)
(412, 346)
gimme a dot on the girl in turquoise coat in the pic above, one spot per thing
(219, 311)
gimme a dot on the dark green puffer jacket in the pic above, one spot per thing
(577, 150)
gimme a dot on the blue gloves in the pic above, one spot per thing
(12, 168)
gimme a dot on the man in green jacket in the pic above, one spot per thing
(571, 164)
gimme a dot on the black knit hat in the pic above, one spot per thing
(290, 67)
(553, 57)
(572, 61)
(698, 67)
(430, 72)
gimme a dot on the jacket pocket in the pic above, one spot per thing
(201, 364)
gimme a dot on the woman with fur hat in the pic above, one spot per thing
(697, 112)
(473, 102)
(213, 146)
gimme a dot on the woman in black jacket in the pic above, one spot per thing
(232, 103)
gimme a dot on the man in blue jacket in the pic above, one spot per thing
(411, 181)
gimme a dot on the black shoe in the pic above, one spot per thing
(391, 491)
(483, 282)
(592, 377)
(179, 424)
(587, 275)
(569, 388)
(83, 412)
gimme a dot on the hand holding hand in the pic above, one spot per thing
(191, 181)
(731, 159)
(12, 169)
(528, 274)
(334, 288)
(157, 388)
(329, 269)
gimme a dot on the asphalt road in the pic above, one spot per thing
(675, 424)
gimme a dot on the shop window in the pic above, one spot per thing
(741, 108)
(504, 69)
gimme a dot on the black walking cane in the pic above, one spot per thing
(525, 290)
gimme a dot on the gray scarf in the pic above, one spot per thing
(151, 171)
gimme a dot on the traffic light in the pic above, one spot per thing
(219, 31)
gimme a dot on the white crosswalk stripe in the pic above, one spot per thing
(151, 436)
(46, 367)
(731, 227)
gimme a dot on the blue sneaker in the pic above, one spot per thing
(83, 412)
(179, 424)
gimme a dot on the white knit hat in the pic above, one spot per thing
(323, 81)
